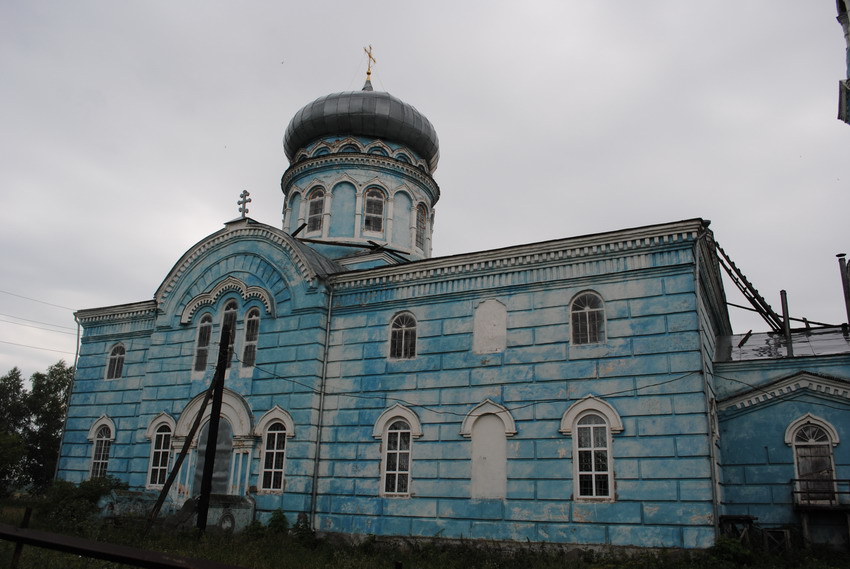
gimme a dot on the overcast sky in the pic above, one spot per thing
(130, 128)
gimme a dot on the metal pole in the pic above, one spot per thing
(175, 468)
(314, 491)
(845, 283)
(786, 324)
(212, 432)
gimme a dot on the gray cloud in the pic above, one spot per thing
(132, 127)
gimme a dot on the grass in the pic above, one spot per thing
(281, 547)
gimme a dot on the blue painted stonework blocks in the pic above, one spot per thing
(674, 428)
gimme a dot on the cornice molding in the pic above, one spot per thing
(353, 160)
(228, 284)
(641, 248)
(834, 387)
(237, 230)
(132, 311)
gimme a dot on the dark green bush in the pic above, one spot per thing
(278, 524)
(73, 508)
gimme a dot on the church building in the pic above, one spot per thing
(585, 390)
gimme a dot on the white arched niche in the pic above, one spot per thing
(488, 425)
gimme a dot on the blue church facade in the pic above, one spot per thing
(586, 390)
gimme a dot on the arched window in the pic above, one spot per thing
(813, 440)
(587, 318)
(100, 457)
(273, 428)
(116, 362)
(396, 459)
(252, 334)
(274, 452)
(228, 320)
(421, 222)
(315, 210)
(403, 337)
(591, 422)
(374, 218)
(592, 457)
(160, 452)
(202, 349)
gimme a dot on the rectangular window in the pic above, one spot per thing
(273, 457)
(374, 215)
(593, 471)
(397, 459)
(252, 334)
(100, 461)
(159, 457)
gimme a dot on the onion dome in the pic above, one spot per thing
(363, 113)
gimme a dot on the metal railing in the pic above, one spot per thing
(821, 492)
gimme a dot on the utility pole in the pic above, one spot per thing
(224, 356)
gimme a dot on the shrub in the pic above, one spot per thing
(72, 508)
(278, 524)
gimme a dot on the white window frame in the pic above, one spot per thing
(251, 338)
(581, 318)
(421, 226)
(115, 362)
(382, 431)
(102, 435)
(372, 217)
(205, 324)
(809, 420)
(230, 315)
(315, 215)
(274, 416)
(403, 337)
(591, 405)
(163, 420)
(592, 470)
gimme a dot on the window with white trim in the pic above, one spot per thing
(228, 320)
(403, 337)
(160, 453)
(373, 220)
(202, 347)
(274, 453)
(421, 222)
(592, 457)
(315, 210)
(396, 459)
(252, 334)
(100, 456)
(592, 422)
(273, 428)
(115, 367)
(587, 319)
(815, 465)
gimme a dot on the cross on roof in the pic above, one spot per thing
(370, 61)
(243, 202)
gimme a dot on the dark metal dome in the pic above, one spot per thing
(365, 113)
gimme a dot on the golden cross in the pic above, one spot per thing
(370, 61)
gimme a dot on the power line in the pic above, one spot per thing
(38, 321)
(36, 347)
(460, 414)
(36, 300)
(38, 327)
